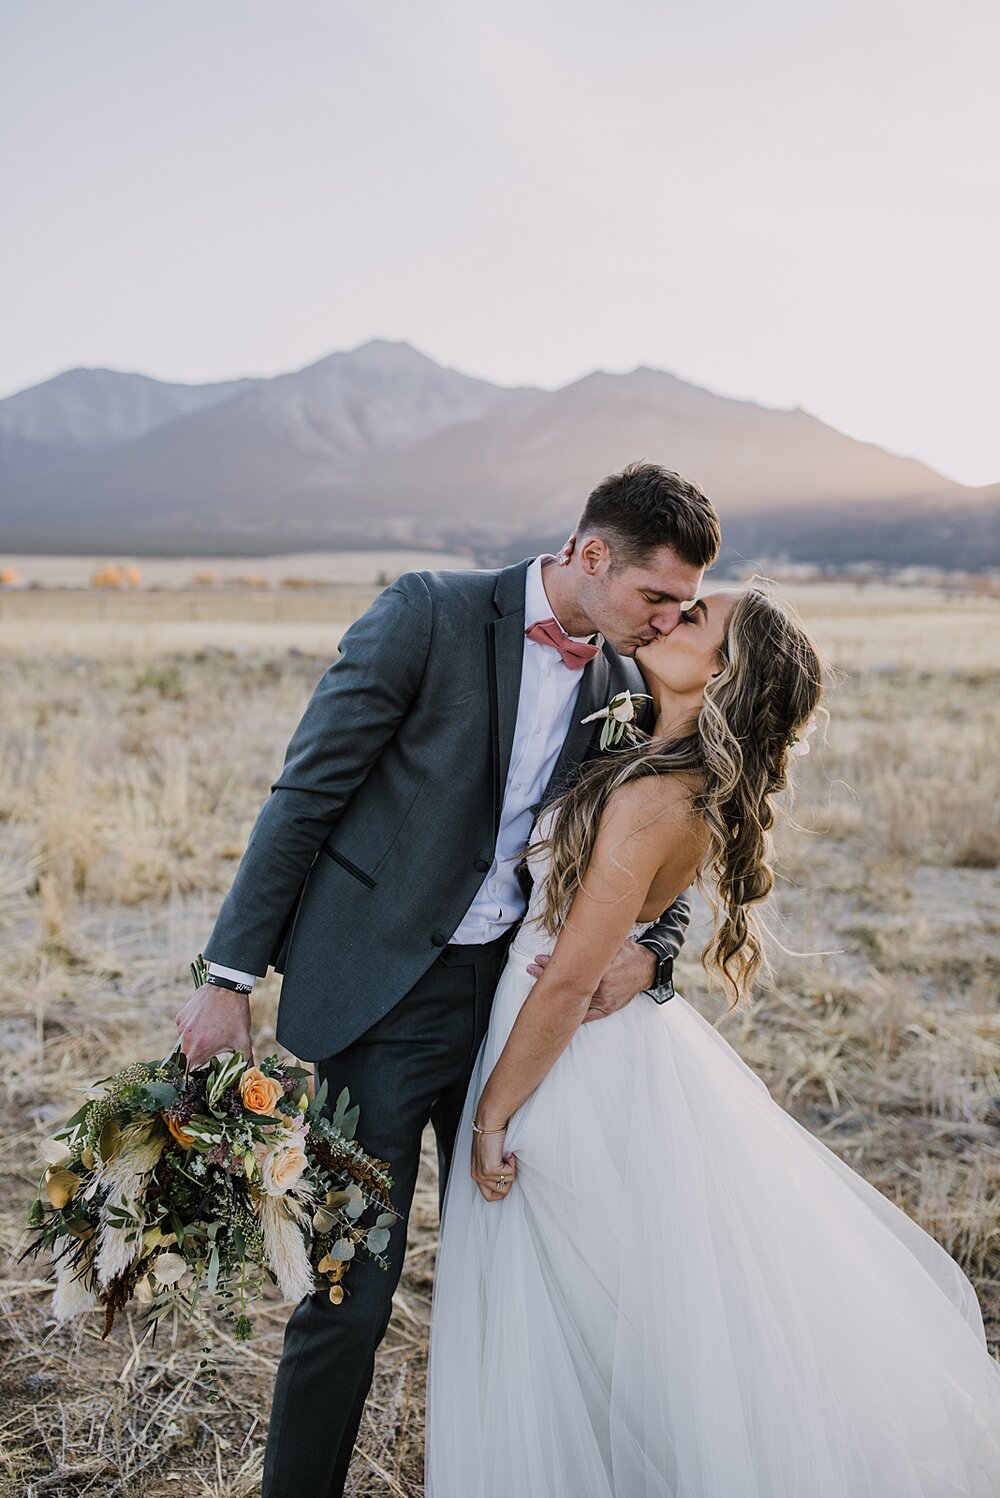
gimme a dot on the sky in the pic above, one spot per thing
(795, 201)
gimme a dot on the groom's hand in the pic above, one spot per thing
(213, 1020)
(632, 969)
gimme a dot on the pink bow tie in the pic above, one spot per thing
(575, 653)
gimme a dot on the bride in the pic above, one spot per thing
(655, 1283)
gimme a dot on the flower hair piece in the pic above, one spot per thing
(798, 743)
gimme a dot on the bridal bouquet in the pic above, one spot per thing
(176, 1189)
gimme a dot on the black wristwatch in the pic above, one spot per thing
(662, 987)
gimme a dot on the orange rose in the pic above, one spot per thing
(260, 1094)
(184, 1139)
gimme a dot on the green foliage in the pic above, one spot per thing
(345, 1119)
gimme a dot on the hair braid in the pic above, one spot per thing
(770, 682)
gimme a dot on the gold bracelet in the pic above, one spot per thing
(477, 1130)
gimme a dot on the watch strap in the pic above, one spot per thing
(662, 987)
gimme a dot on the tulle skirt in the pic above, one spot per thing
(686, 1295)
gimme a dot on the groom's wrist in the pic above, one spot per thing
(231, 978)
(214, 981)
(661, 967)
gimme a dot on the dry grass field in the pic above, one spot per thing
(140, 733)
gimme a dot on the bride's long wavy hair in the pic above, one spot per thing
(770, 682)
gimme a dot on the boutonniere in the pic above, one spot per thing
(619, 719)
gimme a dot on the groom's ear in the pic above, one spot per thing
(593, 555)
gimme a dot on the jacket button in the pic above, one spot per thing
(481, 866)
(439, 939)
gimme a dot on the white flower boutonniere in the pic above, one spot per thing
(619, 719)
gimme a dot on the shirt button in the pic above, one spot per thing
(481, 866)
(439, 939)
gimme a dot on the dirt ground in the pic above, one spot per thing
(139, 736)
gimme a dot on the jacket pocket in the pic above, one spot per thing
(345, 863)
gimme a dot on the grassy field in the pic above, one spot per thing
(140, 733)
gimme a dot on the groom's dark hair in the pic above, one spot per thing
(645, 507)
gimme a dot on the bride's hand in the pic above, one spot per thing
(490, 1165)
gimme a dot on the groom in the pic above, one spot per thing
(380, 876)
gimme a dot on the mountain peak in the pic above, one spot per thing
(382, 354)
(393, 348)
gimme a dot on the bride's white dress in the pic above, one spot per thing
(686, 1295)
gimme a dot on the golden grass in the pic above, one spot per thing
(130, 774)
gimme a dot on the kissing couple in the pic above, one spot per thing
(651, 1282)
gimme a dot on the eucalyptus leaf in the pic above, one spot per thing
(156, 1095)
(386, 1219)
(339, 1118)
(377, 1239)
(342, 1249)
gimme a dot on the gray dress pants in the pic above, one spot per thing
(412, 1067)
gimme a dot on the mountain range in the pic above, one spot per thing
(382, 446)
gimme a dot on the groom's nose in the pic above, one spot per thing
(666, 618)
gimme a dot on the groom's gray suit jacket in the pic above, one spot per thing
(383, 822)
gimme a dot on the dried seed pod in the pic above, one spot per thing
(61, 1186)
(334, 1269)
(80, 1228)
(111, 1136)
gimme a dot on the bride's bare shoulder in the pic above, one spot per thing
(672, 796)
(658, 806)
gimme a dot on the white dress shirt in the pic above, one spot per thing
(545, 706)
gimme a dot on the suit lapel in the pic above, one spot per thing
(593, 695)
(602, 678)
(505, 657)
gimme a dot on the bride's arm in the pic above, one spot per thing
(647, 832)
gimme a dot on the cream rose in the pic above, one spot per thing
(260, 1094)
(282, 1167)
